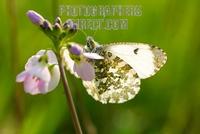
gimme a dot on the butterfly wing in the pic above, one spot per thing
(115, 80)
(146, 60)
(117, 76)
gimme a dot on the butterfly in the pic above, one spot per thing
(118, 76)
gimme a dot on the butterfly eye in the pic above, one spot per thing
(88, 45)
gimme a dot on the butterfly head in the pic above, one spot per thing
(91, 45)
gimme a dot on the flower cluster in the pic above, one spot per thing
(42, 74)
(58, 31)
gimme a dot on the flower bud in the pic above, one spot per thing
(70, 28)
(68, 24)
(75, 49)
(73, 29)
(58, 20)
(57, 26)
(46, 25)
(35, 18)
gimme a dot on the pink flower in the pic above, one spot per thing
(41, 74)
(76, 61)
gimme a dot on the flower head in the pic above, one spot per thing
(41, 74)
(77, 61)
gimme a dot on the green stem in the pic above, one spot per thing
(69, 97)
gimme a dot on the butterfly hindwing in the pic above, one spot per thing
(115, 80)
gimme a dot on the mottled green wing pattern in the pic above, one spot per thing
(115, 80)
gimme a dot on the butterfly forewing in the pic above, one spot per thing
(145, 59)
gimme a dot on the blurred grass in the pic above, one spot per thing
(168, 103)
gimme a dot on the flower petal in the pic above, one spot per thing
(41, 52)
(55, 78)
(32, 61)
(34, 85)
(43, 87)
(30, 85)
(22, 76)
(51, 56)
(69, 63)
(93, 56)
(41, 72)
(85, 70)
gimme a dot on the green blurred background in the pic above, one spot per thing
(168, 103)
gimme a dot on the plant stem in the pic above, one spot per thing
(69, 97)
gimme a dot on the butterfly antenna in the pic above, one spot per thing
(84, 33)
(94, 33)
